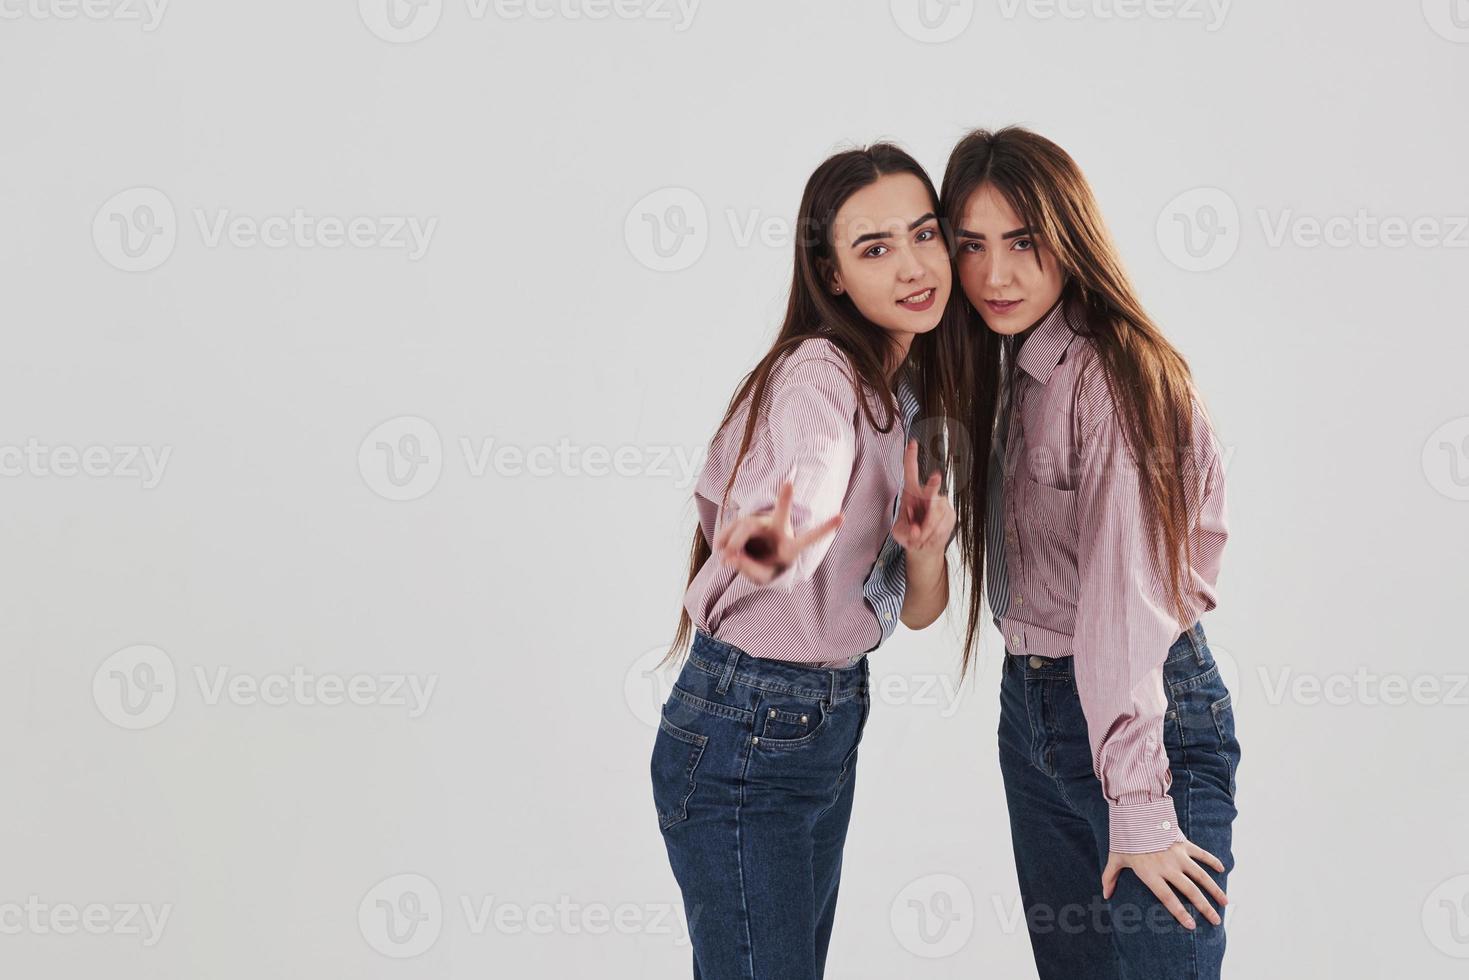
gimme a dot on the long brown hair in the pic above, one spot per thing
(1149, 380)
(813, 311)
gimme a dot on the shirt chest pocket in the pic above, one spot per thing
(1051, 527)
(1050, 510)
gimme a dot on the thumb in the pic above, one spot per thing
(1110, 876)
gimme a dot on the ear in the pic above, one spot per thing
(831, 278)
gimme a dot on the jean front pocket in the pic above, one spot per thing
(790, 723)
(676, 755)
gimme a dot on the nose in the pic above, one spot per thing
(998, 273)
(911, 269)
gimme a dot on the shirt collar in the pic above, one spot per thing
(1047, 343)
(907, 399)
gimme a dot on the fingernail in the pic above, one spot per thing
(1189, 924)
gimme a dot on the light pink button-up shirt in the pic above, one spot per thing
(842, 596)
(1077, 563)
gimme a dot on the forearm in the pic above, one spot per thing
(927, 593)
(1122, 635)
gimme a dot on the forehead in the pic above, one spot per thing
(987, 209)
(892, 202)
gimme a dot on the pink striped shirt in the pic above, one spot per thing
(1077, 562)
(811, 430)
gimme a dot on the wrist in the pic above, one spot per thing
(926, 558)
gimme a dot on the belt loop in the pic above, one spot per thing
(1193, 641)
(729, 670)
(832, 697)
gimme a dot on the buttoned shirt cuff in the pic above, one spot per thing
(1143, 828)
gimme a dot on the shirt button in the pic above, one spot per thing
(888, 616)
(1019, 601)
(1165, 825)
(1015, 639)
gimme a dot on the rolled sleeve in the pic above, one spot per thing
(1124, 628)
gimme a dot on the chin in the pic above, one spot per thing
(1004, 328)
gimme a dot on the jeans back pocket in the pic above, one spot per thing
(1223, 714)
(676, 755)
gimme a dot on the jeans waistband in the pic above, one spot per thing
(731, 665)
(1190, 645)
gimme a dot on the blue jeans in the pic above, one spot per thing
(753, 770)
(1058, 820)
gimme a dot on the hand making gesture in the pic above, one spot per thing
(762, 546)
(925, 516)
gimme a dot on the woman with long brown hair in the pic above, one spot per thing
(1097, 541)
(816, 537)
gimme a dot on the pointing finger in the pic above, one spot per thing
(817, 533)
(782, 516)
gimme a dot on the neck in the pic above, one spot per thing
(901, 344)
(1020, 337)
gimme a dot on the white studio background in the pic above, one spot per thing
(358, 361)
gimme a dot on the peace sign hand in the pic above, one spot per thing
(762, 546)
(925, 516)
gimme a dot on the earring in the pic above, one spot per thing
(838, 290)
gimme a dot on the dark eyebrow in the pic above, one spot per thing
(872, 235)
(963, 233)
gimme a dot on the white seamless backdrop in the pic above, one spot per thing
(359, 364)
